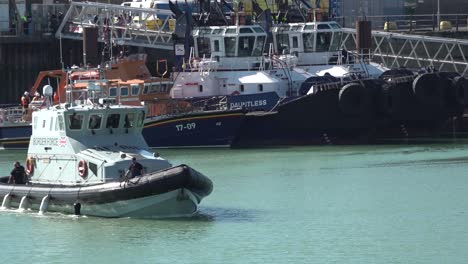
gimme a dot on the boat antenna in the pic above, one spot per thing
(61, 55)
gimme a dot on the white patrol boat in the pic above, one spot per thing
(78, 158)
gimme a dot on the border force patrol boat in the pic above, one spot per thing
(78, 158)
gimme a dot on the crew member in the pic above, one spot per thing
(18, 174)
(37, 97)
(25, 102)
(136, 169)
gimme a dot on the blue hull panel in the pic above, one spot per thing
(206, 129)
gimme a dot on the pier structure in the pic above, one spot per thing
(123, 25)
(395, 50)
(153, 28)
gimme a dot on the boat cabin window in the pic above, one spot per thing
(259, 46)
(200, 88)
(124, 91)
(260, 87)
(60, 123)
(129, 120)
(35, 122)
(336, 42)
(95, 121)
(216, 45)
(75, 121)
(203, 45)
(258, 30)
(245, 31)
(51, 124)
(93, 167)
(230, 46)
(231, 31)
(295, 42)
(323, 41)
(135, 89)
(113, 91)
(246, 46)
(113, 121)
(146, 88)
(309, 40)
(323, 27)
(241, 87)
(164, 87)
(140, 118)
(283, 43)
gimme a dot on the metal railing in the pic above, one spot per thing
(404, 23)
(45, 19)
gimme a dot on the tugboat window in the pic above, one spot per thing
(260, 87)
(200, 88)
(124, 91)
(295, 43)
(283, 43)
(135, 89)
(129, 120)
(216, 45)
(309, 41)
(204, 47)
(95, 121)
(241, 87)
(323, 41)
(246, 46)
(230, 46)
(76, 121)
(113, 121)
(259, 46)
(336, 42)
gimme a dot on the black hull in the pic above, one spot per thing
(365, 111)
(159, 183)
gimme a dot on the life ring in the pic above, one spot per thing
(30, 166)
(82, 168)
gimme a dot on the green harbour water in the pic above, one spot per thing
(320, 204)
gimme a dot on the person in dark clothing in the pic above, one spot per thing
(135, 169)
(18, 174)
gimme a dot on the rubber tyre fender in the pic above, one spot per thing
(460, 87)
(428, 89)
(354, 99)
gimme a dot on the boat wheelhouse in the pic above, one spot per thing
(230, 60)
(318, 48)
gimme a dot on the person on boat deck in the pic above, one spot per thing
(18, 174)
(136, 169)
(25, 102)
(37, 97)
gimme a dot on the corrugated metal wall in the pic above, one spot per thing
(21, 60)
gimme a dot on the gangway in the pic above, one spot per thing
(395, 50)
(143, 27)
